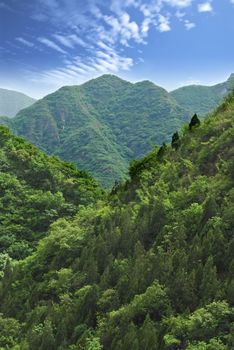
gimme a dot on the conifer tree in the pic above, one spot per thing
(195, 121)
(148, 336)
(175, 142)
(162, 150)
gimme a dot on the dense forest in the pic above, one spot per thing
(92, 124)
(203, 99)
(35, 190)
(150, 266)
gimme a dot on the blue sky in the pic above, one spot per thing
(45, 44)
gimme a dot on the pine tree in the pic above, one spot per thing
(148, 336)
(194, 122)
(209, 283)
(175, 142)
(162, 150)
(130, 340)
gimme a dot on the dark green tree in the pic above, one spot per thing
(148, 336)
(175, 141)
(195, 121)
(162, 150)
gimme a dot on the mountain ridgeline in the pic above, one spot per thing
(107, 122)
(203, 99)
(151, 267)
(11, 102)
(102, 124)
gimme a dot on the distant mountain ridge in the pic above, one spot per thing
(102, 124)
(11, 102)
(107, 122)
(203, 99)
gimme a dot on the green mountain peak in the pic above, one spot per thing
(101, 125)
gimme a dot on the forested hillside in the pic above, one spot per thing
(11, 102)
(102, 124)
(35, 190)
(151, 268)
(203, 99)
(106, 122)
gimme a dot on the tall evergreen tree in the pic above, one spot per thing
(175, 141)
(195, 121)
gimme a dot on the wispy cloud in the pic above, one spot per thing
(25, 42)
(52, 45)
(205, 7)
(179, 3)
(78, 69)
(5, 6)
(70, 40)
(97, 36)
(189, 25)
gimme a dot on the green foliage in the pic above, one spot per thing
(149, 267)
(102, 124)
(211, 323)
(35, 190)
(203, 99)
(9, 332)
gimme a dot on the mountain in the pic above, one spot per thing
(35, 190)
(151, 267)
(203, 99)
(102, 124)
(11, 102)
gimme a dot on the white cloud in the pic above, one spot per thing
(51, 45)
(69, 40)
(76, 70)
(205, 7)
(123, 29)
(164, 25)
(179, 3)
(189, 25)
(180, 14)
(24, 42)
(101, 31)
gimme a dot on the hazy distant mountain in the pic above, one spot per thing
(102, 124)
(11, 102)
(203, 99)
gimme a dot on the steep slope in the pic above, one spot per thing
(102, 124)
(151, 268)
(11, 102)
(35, 190)
(203, 99)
